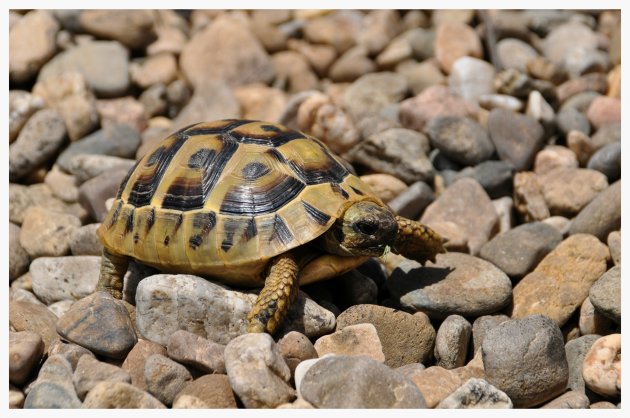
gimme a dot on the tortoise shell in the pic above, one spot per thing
(222, 198)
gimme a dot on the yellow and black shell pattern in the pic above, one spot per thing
(222, 198)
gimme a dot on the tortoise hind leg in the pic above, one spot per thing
(275, 298)
(417, 241)
(113, 268)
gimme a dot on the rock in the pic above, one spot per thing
(614, 244)
(460, 139)
(606, 134)
(504, 207)
(16, 397)
(420, 76)
(353, 340)
(22, 105)
(514, 53)
(561, 281)
(119, 395)
(53, 387)
(260, 102)
(47, 233)
(433, 102)
(539, 109)
(476, 393)
(39, 194)
(119, 140)
(603, 405)
(302, 368)
(257, 372)
(390, 324)
(61, 278)
(320, 117)
(211, 391)
(225, 50)
(104, 64)
(465, 204)
(607, 160)
(165, 378)
(154, 100)
(570, 119)
(61, 307)
(494, 176)
(528, 197)
(482, 325)
(135, 361)
(605, 294)
(592, 321)
(28, 316)
(84, 241)
(398, 50)
(385, 186)
(518, 251)
(454, 40)
(340, 29)
(397, 152)
(353, 288)
(122, 110)
(602, 366)
(293, 72)
(569, 400)
(295, 347)
(604, 110)
(24, 295)
(594, 82)
(443, 289)
(320, 57)
(436, 383)
(517, 137)
(26, 349)
(31, 44)
(413, 200)
(471, 78)
(525, 358)
(192, 350)
(100, 323)
(552, 157)
(379, 27)
(602, 215)
(94, 193)
(19, 259)
(576, 351)
(62, 185)
(451, 342)
(39, 140)
(132, 28)
(371, 93)
(90, 372)
(69, 351)
(87, 166)
(211, 101)
(504, 101)
(566, 38)
(351, 65)
(184, 299)
(366, 382)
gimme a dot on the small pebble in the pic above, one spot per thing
(602, 366)
(61, 278)
(108, 395)
(165, 378)
(482, 325)
(47, 233)
(531, 348)
(84, 241)
(602, 215)
(100, 323)
(451, 342)
(53, 387)
(517, 137)
(460, 139)
(614, 244)
(25, 350)
(208, 391)
(607, 160)
(69, 351)
(192, 350)
(89, 372)
(568, 400)
(28, 316)
(257, 372)
(354, 340)
(476, 393)
(605, 294)
(591, 321)
(135, 361)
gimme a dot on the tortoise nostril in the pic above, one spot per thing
(367, 227)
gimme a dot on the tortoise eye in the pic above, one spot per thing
(367, 226)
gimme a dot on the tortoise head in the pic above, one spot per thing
(365, 228)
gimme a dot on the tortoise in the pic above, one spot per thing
(251, 204)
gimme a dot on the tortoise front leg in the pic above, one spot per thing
(280, 290)
(113, 268)
(417, 241)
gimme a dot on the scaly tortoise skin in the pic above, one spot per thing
(251, 204)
